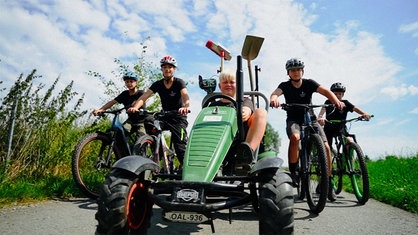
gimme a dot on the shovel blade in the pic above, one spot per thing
(251, 47)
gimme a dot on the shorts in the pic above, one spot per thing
(294, 127)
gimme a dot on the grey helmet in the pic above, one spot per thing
(130, 75)
(168, 60)
(337, 87)
(294, 63)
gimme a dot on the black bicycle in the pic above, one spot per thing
(348, 159)
(155, 146)
(312, 173)
(94, 155)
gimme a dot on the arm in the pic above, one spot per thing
(274, 102)
(186, 102)
(140, 101)
(331, 96)
(362, 113)
(246, 113)
(104, 107)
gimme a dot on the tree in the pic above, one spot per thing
(272, 140)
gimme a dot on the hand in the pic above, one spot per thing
(366, 116)
(184, 111)
(97, 111)
(340, 105)
(132, 110)
(274, 103)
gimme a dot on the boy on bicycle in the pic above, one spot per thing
(299, 90)
(331, 129)
(174, 97)
(127, 98)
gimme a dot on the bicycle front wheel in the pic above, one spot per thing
(317, 174)
(144, 147)
(89, 164)
(357, 170)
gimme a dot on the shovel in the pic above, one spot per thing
(250, 50)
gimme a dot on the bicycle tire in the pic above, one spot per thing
(86, 175)
(357, 171)
(144, 146)
(317, 180)
(301, 178)
(337, 172)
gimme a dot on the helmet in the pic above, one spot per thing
(294, 63)
(130, 75)
(337, 87)
(168, 60)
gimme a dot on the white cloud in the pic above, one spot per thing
(397, 92)
(409, 28)
(414, 111)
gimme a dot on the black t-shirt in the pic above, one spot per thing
(127, 101)
(336, 114)
(170, 98)
(301, 95)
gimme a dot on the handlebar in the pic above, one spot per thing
(305, 106)
(114, 112)
(359, 118)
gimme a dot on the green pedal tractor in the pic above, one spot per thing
(209, 182)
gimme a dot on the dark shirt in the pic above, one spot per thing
(336, 114)
(127, 101)
(170, 98)
(301, 95)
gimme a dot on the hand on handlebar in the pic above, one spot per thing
(97, 112)
(184, 111)
(274, 103)
(132, 110)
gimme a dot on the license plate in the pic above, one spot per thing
(185, 217)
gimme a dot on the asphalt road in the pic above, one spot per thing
(344, 216)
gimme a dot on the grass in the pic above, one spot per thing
(393, 180)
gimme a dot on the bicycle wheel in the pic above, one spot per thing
(357, 171)
(337, 172)
(301, 177)
(144, 147)
(88, 164)
(317, 174)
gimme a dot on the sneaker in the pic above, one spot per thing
(245, 153)
(331, 192)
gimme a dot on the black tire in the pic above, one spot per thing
(317, 175)
(359, 176)
(276, 203)
(124, 205)
(337, 172)
(301, 178)
(88, 174)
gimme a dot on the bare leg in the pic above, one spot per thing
(257, 128)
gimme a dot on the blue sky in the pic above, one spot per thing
(370, 46)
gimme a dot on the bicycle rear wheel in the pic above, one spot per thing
(357, 171)
(337, 172)
(317, 174)
(88, 164)
(144, 147)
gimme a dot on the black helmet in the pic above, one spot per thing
(337, 87)
(130, 75)
(294, 63)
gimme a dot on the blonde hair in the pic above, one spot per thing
(226, 74)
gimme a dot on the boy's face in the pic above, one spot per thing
(168, 70)
(130, 84)
(339, 94)
(228, 86)
(295, 74)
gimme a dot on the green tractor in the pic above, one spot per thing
(208, 183)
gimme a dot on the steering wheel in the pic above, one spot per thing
(213, 97)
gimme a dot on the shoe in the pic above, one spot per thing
(245, 153)
(331, 192)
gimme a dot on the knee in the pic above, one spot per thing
(294, 138)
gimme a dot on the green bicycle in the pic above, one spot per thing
(348, 159)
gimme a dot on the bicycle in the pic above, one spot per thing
(155, 146)
(312, 173)
(348, 159)
(94, 155)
